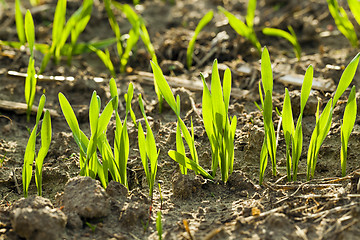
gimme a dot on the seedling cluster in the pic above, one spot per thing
(294, 136)
(100, 159)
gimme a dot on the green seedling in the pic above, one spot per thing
(269, 144)
(291, 37)
(179, 155)
(30, 32)
(89, 162)
(19, 21)
(91, 226)
(245, 30)
(30, 81)
(105, 58)
(121, 141)
(342, 22)
(219, 128)
(62, 30)
(354, 6)
(114, 25)
(294, 136)
(30, 152)
(77, 24)
(347, 126)
(159, 225)
(147, 148)
(3, 159)
(288, 128)
(57, 31)
(323, 121)
(30, 87)
(113, 162)
(138, 30)
(190, 50)
(298, 134)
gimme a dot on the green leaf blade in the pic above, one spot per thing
(30, 31)
(19, 20)
(203, 22)
(346, 77)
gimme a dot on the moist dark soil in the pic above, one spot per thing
(74, 207)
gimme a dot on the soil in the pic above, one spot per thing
(73, 207)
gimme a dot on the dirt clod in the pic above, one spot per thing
(35, 218)
(134, 214)
(116, 190)
(86, 197)
(34, 202)
(239, 182)
(184, 186)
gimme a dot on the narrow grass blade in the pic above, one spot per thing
(180, 147)
(70, 118)
(203, 22)
(241, 28)
(114, 25)
(342, 22)
(29, 158)
(30, 87)
(40, 108)
(288, 128)
(227, 88)
(105, 117)
(164, 87)
(142, 150)
(30, 31)
(346, 77)
(322, 128)
(266, 71)
(238, 25)
(105, 58)
(250, 15)
(19, 20)
(59, 21)
(130, 43)
(291, 37)
(207, 113)
(298, 135)
(114, 94)
(287, 122)
(159, 225)
(145, 37)
(94, 114)
(354, 6)
(347, 126)
(231, 144)
(263, 159)
(217, 95)
(183, 160)
(306, 87)
(45, 144)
